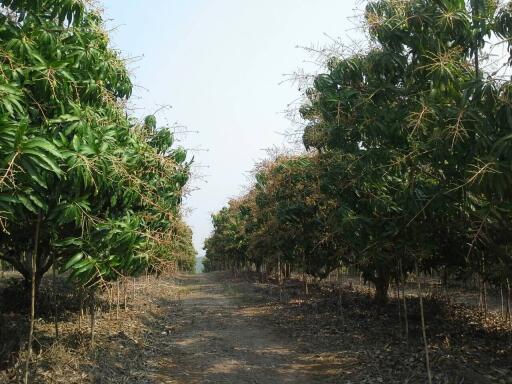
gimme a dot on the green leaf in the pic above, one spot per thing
(27, 203)
(73, 260)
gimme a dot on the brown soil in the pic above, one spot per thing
(212, 328)
(216, 337)
(188, 329)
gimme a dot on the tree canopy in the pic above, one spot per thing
(97, 191)
(410, 159)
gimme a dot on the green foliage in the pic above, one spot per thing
(413, 159)
(106, 190)
(226, 248)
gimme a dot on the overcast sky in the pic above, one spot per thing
(220, 64)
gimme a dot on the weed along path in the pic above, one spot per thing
(214, 336)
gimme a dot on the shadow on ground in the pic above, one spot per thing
(205, 333)
(212, 328)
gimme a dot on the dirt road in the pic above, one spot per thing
(214, 329)
(213, 336)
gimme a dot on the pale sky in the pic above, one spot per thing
(220, 64)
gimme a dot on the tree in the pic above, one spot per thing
(411, 152)
(423, 128)
(226, 247)
(104, 190)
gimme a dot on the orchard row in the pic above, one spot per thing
(409, 163)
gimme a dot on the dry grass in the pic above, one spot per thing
(119, 334)
(466, 345)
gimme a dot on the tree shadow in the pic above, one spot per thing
(59, 300)
(463, 347)
(210, 338)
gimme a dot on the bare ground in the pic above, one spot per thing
(212, 328)
(189, 329)
(216, 337)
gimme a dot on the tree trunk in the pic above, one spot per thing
(125, 295)
(398, 303)
(32, 297)
(92, 309)
(81, 310)
(55, 303)
(279, 269)
(423, 327)
(117, 300)
(42, 266)
(381, 283)
(508, 301)
(485, 299)
(110, 294)
(404, 297)
(502, 301)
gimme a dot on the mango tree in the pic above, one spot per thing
(81, 183)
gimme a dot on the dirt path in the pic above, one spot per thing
(213, 337)
(214, 329)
